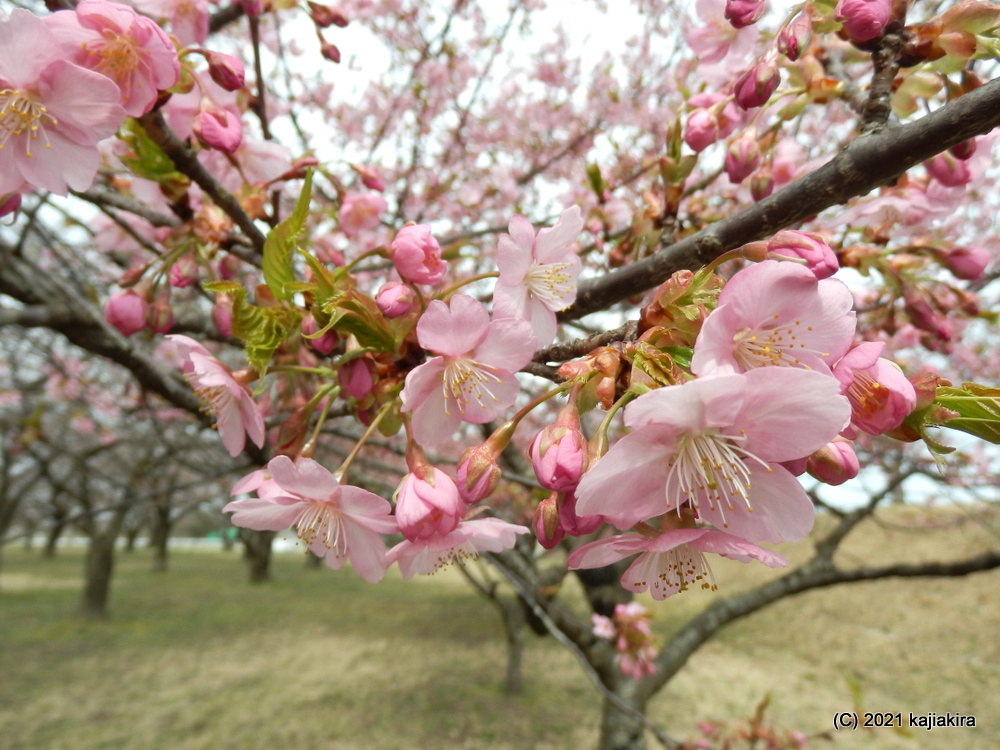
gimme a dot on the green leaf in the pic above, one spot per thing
(978, 409)
(281, 244)
(357, 314)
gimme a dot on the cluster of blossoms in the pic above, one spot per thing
(777, 386)
(67, 82)
(630, 632)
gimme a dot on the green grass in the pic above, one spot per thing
(198, 658)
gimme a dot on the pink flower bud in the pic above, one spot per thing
(548, 531)
(428, 505)
(228, 266)
(357, 378)
(132, 277)
(742, 13)
(159, 315)
(863, 19)
(325, 16)
(395, 299)
(330, 51)
(963, 150)
(701, 130)
(819, 257)
(222, 314)
(559, 457)
(573, 524)
(925, 317)
(754, 88)
(795, 37)
(477, 474)
(9, 204)
(762, 184)
(968, 263)
(253, 8)
(184, 272)
(126, 311)
(417, 255)
(217, 128)
(370, 177)
(226, 71)
(742, 156)
(325, 342)
(948, 170)
(834, 463)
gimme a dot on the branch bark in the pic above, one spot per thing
(870, 161)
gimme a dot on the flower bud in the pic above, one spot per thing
(226, 70)
(948, 170)
(701, 130)
(967, 263)
(546, 522)
(370, 177)
(795, 37)
(477, 474)
(762, 184)
(126, 311)
(863, 19)
(9, 204)
(963, 150)
(330, 51)
(428, 504)
(742, 13)
(754, 88)
(228, 266)
(834, 463)
(357, 378)
(184, 272)
(417, 255)
(573, 524)
(323, 343)
(559, 453)
(742, 156)
(222, 314)
(324, 16)
(819, 257)
(159, 315)
(395, 300)
(217, 128)
(253, 8)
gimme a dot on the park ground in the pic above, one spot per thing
(316, 659)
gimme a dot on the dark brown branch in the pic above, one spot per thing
(185, 159)
(869, 162)
(877, 108)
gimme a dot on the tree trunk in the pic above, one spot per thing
(130, 536)
(621, 730)
(99, 566)
(55, 531)
(159, 537)
(257, 553)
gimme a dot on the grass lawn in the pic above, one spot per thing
(197, 658)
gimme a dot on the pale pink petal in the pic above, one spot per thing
(508, 345)
(606, 551)
(735, 548)
(264, 514)
(368, 509)
(455, 329)
(515, 251)
(693, 406)
(305, 478)
(627, 485)
(790, 413)
(555, 243)
(366, 550)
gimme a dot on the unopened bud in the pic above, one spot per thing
(226, 71)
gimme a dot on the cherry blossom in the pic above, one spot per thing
(360, 211)
(715, 443)
(776, 314)
(223, 394)
(717, 38)
(538, 274)
(428, 503)
(336, 522)
(672, 561)
(471, 379)
(881, 397)
(417, 255)
(117, 42)
(469, 538)
(52, 112)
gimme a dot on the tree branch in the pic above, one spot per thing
(869, 162)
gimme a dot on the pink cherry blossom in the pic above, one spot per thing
(188, 18)
(217, 128)
(469, 538)
(226, 70)
(360, 211)
(471, 379)
(672, 561)
(717, 38)
(230, 400)
(417, 255)
(538, 274)
(776, 314)
(336, 522)
(395, 300)
(52, 112)
(714, 443)
(967, 263)
(881, 397)
(130, 49)
(559, 452)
